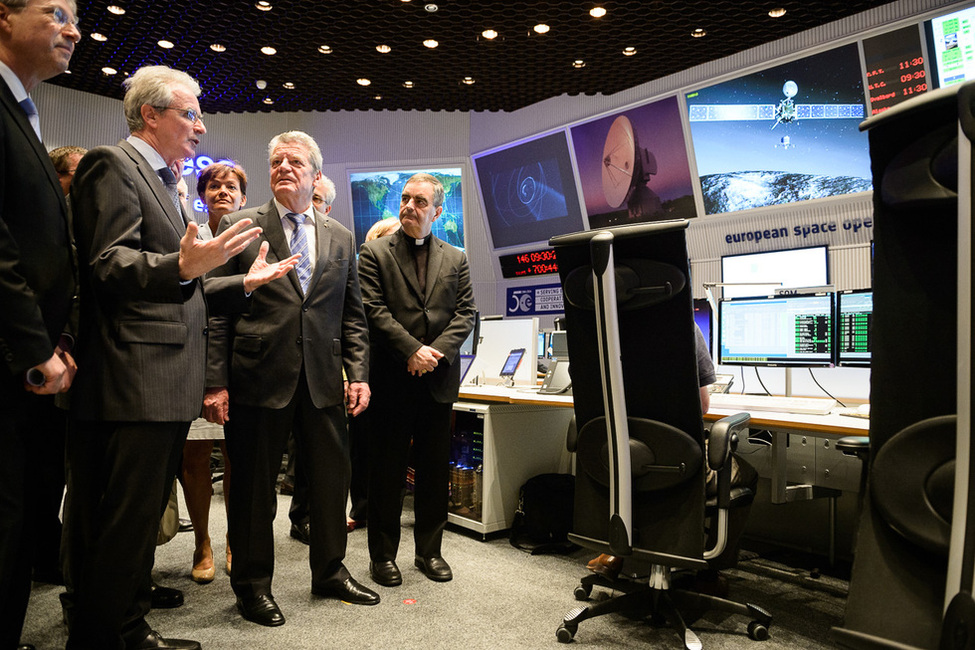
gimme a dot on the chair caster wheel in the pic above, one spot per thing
(757, 631)
(582, 592)
(566, 633)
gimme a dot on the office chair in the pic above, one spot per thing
(640, 451)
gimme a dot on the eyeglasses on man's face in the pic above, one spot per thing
(191, 114)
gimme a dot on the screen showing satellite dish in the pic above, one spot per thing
(633, 166)
(529, 191)
(781, 135)
(951, 47)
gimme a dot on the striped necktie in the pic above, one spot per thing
(169, 180)
(299, 245)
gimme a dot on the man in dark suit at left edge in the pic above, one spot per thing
(37, 280)
(143, 337)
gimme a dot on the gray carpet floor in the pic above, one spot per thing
(500, 598)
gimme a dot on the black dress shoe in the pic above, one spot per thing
(156, 642)
(261, 610)
(165, 597)
(301, 532)
(435, 568)
(386, 573)
(349, 590)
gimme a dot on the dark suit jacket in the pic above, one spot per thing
(258, 355)
(401, 320)
(37, 274)
(142, 334)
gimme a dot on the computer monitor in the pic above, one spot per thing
(512, 362)
(469, 346)
(542, 348)
(776, 331)
(559, 344)
(854, 316)
(788, 268)
(702, 316)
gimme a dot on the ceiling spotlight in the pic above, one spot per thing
(778, 12)
(270, 51)
(431, 43)
(578, 63)
(261, 84)
(217, 47)
(489, 34)
(117, 10)
(324, 49)
(541, 28)
(263, 5)
(101, 38)
(268, 100)
(469, 81)
(384, 49)
(629, 51)
(698, 33)
(363, 81)
(407, 84)
(378, 97)
(430, 7)
(108, 72)
(288, 85)
(166, 45)
(597, 12)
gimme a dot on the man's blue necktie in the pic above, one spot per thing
(31, 110)
(169, 180)
(299, 245)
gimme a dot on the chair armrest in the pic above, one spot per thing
(571, 435)
(858, 446)
(723, 439)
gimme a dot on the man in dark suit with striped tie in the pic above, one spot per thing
(277, 368)
(142, 353)
(37, 282)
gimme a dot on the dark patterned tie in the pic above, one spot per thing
(169, 180)
(299, 245)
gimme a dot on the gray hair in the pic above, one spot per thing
(298, 137)
(20, 4)
(329, 188)
(438, 191)
(152, 85)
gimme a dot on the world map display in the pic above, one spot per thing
(376, 196)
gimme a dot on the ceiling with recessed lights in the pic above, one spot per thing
(455, 55)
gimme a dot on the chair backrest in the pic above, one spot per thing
(659, 382)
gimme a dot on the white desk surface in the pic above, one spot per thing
(833, 424)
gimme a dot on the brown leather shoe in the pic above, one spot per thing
(606, 565)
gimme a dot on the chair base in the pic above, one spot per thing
(660, 604)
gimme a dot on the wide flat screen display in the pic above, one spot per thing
(895, 68)
(376, 196)
(951, 47)
(781, 135)
(529, 191)
(761, 274)
(776, 331)
(633, 166)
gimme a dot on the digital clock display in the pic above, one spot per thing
(520, 265)
(895, 68)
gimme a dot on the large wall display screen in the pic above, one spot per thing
(376, 195)
(633, 166)
(951, 47)
(783, 134)
(529, 191)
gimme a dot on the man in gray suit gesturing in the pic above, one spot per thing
(420, 304)
(277, 368)
(142, 355)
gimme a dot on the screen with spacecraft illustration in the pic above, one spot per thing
(529, 191)
(633, 166)
(783, 134)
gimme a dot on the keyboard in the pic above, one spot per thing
(805, 405)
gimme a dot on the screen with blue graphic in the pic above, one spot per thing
(376, 196)
(529, 191)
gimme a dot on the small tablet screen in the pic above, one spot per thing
(512, 362)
